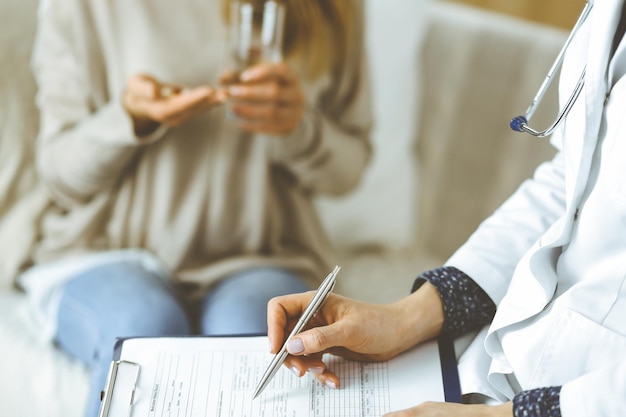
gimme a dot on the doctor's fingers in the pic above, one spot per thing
(442, 409)
(340, 326)
(313, 366)
(282, 314)
(359, 330)
(337, 338)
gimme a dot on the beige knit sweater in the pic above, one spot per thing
(205, 198)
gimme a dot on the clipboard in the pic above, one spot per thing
(449, 370)
(121, 385)
(119, 391)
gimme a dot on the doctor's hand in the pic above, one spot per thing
(266, 98)
(434, 409)
(352, 329)
(151, 103)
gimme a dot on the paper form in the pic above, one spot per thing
(216, 377)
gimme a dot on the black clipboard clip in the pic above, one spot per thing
(119, 391)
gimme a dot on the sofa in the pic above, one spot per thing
(444, 160)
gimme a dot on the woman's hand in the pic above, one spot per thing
(352, 329)
(266, 98)
(434, 409)
(151, 103)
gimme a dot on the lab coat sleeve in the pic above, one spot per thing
(86, 138)
(331, 149)
(600, 394)
(492, 252)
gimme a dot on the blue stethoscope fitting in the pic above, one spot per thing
(520, 123)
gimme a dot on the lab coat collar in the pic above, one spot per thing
(604, 20)
(617, 66)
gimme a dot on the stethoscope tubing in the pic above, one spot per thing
(520, 123)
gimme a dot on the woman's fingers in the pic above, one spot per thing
(263, 112)
(269, 71)
(142, 86)
(182, 106)
(176, 107)
(265, 92)
(146, 98)
(266, 108)
(266, 98)
(271, 129)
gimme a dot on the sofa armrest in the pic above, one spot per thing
(479, 69)
(22, 197)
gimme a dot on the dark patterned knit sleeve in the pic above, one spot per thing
(466, 306)
(540, 402)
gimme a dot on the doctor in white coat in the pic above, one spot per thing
(552, 259)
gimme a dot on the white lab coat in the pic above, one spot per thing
(553, 257)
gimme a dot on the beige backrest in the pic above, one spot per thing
(479, 69)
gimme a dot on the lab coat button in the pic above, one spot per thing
(576, 215)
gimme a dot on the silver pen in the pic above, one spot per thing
(325, 288)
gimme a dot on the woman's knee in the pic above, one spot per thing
(143, 305)
(117, 300)
(238, 304)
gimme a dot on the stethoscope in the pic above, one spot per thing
(520, 123)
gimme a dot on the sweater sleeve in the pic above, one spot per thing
(331, 148)
(86, 139)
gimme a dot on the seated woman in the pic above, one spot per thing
(171, 218)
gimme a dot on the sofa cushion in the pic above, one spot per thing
(38, 379)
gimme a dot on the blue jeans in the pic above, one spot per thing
(125, 300)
